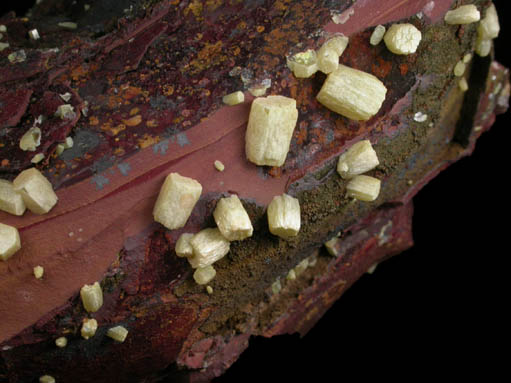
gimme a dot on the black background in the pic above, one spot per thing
(438, 310)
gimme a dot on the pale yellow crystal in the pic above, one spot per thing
(234, 98)
(46, 379)
(232, 219)
(9, 241)
(489, 27)
(183, 246)
(284, 216)
(92, 297)
(465, 14)
(176, 200)
(302, 266)
(219, 166)
(37, 158)
(329, 53)
(89, 327)
(331, 246)
(10, 201)
(303, 64)
(36, 191)
(352, 93)
(276, 287)
(358, 159)
(117, 333)
(402, 39)
(377, 35)
(204, 275)
(61, 342)
(364, 188)
(459, 69)
(31, 139)
(209, 289)
(67, 25)
(271, 123)
(38, 272)
(209, 245)
(483, 47)
(291, 275)
(65, 112)
(463, 84)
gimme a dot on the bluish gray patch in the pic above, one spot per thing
(124, 168)
(100, 181)
(329, 136)
(182, 139)
(261, 172)
(103, 164)
(84, 142)
(161, 147)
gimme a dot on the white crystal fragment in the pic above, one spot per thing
(377, 35)
(284, 216)
(204, 275)
(209, 245)
(183, 246)
(232, 219)
(358, 159)
(36, 191)
(271, 123)
(9, 241)
(402, 39)
(176, 200)
(68, 143)
(234, 98)
(465, 14)
(66, 96)
(3, 28)
(117, 333)
(92, 297)
(420, 117)
(352, 93)
(10, 201)
(34, 34)
(364, 188)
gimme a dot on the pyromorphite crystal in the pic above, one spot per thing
(358, 159)
(36, 191)
(204, 275)
(232, 219)
(10, 201)
(209, 245)
(465, 14)
(118, 333)
(284, 216)
(176, 200)
(402, 39)
(183, 246)
(271, 123)
(352, 93)
(9, 241)
(92, 297)
(364, 188)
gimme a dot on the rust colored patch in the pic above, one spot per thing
(133, 121)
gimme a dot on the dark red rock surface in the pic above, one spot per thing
(153, 87)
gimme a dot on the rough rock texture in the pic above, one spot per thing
(147, 89)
